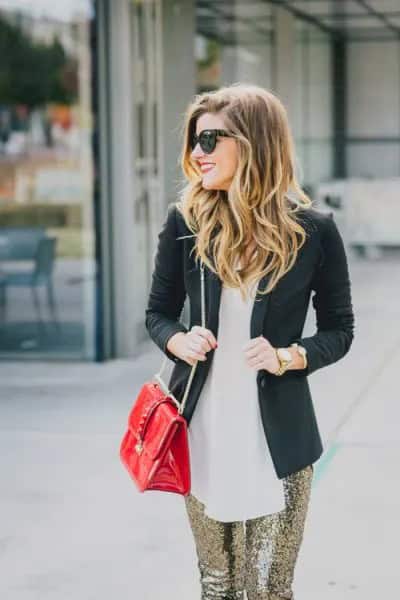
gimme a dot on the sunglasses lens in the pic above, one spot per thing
(207, 141)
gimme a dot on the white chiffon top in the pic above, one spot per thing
(231, 467)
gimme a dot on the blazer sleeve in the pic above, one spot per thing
(332, 302)
(167, 293)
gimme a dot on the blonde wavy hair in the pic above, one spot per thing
(256, 209)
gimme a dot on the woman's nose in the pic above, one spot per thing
(197, 151)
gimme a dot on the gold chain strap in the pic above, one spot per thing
(181, 405)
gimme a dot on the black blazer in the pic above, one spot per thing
(285, 401)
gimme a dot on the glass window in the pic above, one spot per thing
(233, 44)
(312, 120)
(47, 238)
(239, 43)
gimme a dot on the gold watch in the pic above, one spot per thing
(285, 359)
(302, 351)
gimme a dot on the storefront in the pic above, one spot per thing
(92, 96)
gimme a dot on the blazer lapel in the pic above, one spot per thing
(259, 310)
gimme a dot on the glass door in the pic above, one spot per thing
(148, 200)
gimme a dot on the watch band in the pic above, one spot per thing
(281, 369)
(283, 364)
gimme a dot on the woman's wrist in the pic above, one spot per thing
(297, 359)
(173, 343)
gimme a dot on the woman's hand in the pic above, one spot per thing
(193, 345)
(260, 354)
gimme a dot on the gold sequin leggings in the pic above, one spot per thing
(256, 556)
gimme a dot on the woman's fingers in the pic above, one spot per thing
(199, 341)
(205, 337)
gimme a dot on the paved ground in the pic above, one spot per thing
(73, 527)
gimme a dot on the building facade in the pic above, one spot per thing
(92, 95)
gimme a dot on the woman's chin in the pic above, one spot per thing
(212, 185)
(209, 185)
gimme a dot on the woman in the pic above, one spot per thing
(253, 434)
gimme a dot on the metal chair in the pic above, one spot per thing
(40, 275)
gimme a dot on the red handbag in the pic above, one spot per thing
(155, 448)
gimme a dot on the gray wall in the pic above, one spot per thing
(373, 112)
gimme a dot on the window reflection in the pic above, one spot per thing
(47, 262)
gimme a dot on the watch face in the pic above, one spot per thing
(284, 354)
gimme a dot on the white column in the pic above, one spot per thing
(122, 179)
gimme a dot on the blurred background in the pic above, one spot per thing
(92, 96)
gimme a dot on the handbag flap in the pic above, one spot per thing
(154, 418)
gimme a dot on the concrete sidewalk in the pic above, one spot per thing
(73, 526)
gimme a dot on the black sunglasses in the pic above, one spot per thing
(208, 139)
